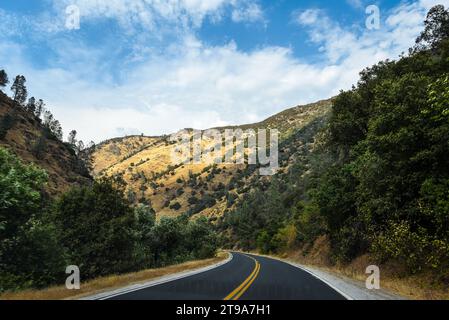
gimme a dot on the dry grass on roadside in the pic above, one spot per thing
(110, 282)
(420, 286)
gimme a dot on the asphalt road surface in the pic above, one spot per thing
(245, 277)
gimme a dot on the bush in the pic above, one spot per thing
(263, 242)
(193, 200)
(285, 239)
(176, 206)
(399, 243)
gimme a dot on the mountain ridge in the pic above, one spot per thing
(144, 164)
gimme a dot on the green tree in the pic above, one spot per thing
(144, 222)
(95, 224)
(30, 255)
(436, 28)
(19, 90)
(201, 240)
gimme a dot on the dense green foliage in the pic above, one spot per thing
(93, 227)
(29, 252)
(379, 183)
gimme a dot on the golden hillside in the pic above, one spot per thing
(145, 164)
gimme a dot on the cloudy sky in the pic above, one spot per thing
(157, 66)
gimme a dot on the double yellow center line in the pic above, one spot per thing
(241, 289)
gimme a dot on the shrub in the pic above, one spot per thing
(176, 206)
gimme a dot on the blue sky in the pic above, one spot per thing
(154, 67)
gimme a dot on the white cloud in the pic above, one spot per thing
(399, 28)
(250, 13)
(355, 3)
(309, 16)
(155, 14)
(191, 84)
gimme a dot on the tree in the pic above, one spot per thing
(91, 146)
(201, 240)
(19, 90)
(145, 219)
(31, 105)
(52, 125)
(3, 78)
(436, 28)
(21, 186)
(48, 118)
(95, 223)
(56, 129)
(29, 251)
(80, 146)
(72, 138)
(39, 108)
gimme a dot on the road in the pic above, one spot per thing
(245, 277)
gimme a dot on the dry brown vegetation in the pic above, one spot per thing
(109, 283)
(420, 287)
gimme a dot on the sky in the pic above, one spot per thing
(155, 66)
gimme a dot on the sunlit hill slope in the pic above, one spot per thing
(146, 166)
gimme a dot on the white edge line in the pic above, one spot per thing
(346, 296)
(156, 282)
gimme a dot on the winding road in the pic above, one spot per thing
(245, 277)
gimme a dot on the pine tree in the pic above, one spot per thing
(19, 89)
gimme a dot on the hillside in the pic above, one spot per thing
(26, 137)
(145, 165)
